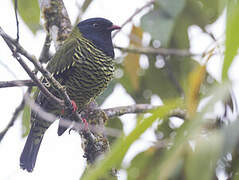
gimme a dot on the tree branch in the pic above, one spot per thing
(14, 117)
(139, 108)
(136, 108)
(158, 51)
(57, 22)
(16, 48)
(82, 9)
(16, 16)
(133, 15)
(16, 83)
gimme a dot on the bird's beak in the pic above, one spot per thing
(113, 27)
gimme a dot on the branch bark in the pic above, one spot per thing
(136, 108)
(14, 117)
(158, 51)
(16, 48)
(16, 83)
(133, 15)
(57, 22)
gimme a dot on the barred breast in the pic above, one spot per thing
(89, 74)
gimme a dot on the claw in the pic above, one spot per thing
(70, 130)
(73, 105)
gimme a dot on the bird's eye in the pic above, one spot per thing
(95, 25)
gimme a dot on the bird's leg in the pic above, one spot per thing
(85, 123)
(86, 126)
(73, 105)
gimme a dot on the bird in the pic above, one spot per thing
(84, 65)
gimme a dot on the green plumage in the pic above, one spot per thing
(84, 68)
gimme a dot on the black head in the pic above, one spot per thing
(98, 31)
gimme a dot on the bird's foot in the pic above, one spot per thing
(86, 126)
(70, 130)
(73, 103)
(74, 106)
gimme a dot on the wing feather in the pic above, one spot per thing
(63, 58)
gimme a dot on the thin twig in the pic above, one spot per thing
(109, 112)
(16, 48)
(133, 15)
(16, 83)
(139, 108)
(14, 117)
(17, 22)
(36, 80)
(82, 9)
(158, 51)
(19, 49)
(136, 108)
(79, 127)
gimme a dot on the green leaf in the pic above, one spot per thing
(169, 81)
(221, 5)
(202, 12)
(172, 7)
(26, 116)
(204, 157)
(26, 120)
(160, 22)
(232, 38)
(159, 25)
(141, 166)
(30, 13)
(192, 128)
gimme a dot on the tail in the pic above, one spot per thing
(38, 128)
(30, 151)
(61, 129)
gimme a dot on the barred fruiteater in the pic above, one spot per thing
(84, 66)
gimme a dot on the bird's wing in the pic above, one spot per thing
(63, 58)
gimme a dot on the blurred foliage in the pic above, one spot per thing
(143, 163)
(30, 13)
(202, 144)
(26, 124)
(131, 61)
(123, 143)
(201, 163)
(114, 123)
(25, 121)
(232, 38)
